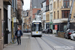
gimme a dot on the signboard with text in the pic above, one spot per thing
(56, 27)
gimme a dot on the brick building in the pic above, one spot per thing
(35, 5)
(27, 19)
(19, 7)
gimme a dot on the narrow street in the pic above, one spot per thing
(44, 18)
(46, 42)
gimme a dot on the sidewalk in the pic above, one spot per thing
(23, 45)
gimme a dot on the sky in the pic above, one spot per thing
(26, 5)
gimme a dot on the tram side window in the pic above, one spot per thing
(33, 27)
(40, 27)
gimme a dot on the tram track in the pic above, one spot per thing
(46, 43)
(60, 42)
(39, 44)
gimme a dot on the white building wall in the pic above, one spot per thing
(45, 26)
(9, 18)
(44, 9)
(9, 23)
(44, 14)
(44, 6)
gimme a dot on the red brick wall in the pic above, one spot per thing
(34, 11)
(19, 6)
(47, 2)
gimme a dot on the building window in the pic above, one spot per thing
(44, 8)
(51, 17)
(66, 3)
(65, 13)
(58, 14)
(50, 6)
(47, 8)
(49, 0)
(13, 3)
(47, 17)
(41, 5)
(54, 5)
(54, 15)
(57, 3)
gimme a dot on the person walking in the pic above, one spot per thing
(18, 35)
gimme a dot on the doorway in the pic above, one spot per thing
(5, 27)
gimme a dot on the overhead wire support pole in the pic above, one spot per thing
(68, 23)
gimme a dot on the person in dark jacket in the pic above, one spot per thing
(18, 35)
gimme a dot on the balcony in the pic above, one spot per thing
(64, 19)
(65, 7)
(61, 20)
(7, 2)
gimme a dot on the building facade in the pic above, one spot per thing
(14, 16)
(35, 5)
(51, 13)
(43, 14)
(20, 3)
(47, 15)
(61, 9)
(1, 19)
(27, 19)
(6, 31)
(9, 23)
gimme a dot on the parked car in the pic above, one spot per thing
(49, 30)
(68, 33)
(25, 31)
(73, 35)
(44, 31)
(29, 30)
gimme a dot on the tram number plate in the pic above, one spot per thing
(37, 32)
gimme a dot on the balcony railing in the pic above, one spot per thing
(7, 2)
(62, 7)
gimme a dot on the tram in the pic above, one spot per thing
(36, 28)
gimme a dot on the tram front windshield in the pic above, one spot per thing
(36, 27)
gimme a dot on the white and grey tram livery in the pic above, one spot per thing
(36, 28)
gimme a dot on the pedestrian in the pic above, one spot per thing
(18, 35)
